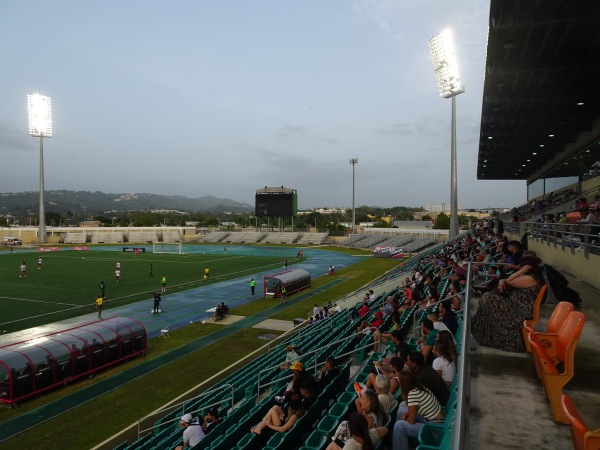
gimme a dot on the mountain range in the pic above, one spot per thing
(78, 202)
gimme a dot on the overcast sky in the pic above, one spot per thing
(224, 97)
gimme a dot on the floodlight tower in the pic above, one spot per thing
(353, 162)
(40, 124)
(446, 74)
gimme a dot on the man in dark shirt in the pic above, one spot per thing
(428, 377)
(211, 420)
(329, 371)
(448, 316)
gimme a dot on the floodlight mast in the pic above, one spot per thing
(353, 162)
(40, 124)
(448, 81)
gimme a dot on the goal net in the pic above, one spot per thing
(175, 248)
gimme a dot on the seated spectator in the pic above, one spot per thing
(368, 405)
(434, 316)
(421, 406)
(291, 357)
(498, 320)
(211, 420)
(358, 435)
(192, 433)
(428, 377)
(444, 364)
(329, 371)
(390, 369)
(428, 335)
(309, 397)
(300, 376)
(448, 316)
(382, 387)
(279, 420)
(364, 310)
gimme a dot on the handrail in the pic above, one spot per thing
(310, 353)
(182, 405)
(460, 430)
(567, 235)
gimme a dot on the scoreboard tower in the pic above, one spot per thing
(276, 207)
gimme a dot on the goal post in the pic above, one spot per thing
(173, 248)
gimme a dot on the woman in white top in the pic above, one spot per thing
(362, 438)
(444, 363)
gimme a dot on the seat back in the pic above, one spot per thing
(538, 303)
(560, 313)
(578, 427)
(570, 330)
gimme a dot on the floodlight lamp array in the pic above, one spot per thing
(40, 115)
(445, 64)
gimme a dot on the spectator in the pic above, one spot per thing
(448, 316)
(211, 420)
(428, 335)
(192, 433)
(382, 387)
(329, 371)
(428, 377)
(421, 406)
(291, 357)
(499, 317)
(279, 420)
(444, 364)
(308, 395)
(358, 435)
(368, 405)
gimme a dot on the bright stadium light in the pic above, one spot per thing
(448, 81)
(40, 124)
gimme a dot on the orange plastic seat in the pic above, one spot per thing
(583, 438)
(536, 316)
(548, 349)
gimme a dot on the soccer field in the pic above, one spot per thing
(69, 281)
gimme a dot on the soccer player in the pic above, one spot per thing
(206, 273)
(102, 288)
(151, 272)
(163, 282)
(23, 270)
(117, 274)
(39, 263)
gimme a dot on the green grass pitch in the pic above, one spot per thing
(69, 281)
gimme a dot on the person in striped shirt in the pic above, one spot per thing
(419, 406)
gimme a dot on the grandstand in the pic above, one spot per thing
(170, 236)
(281, 238)
(312, 238)
(78, 237)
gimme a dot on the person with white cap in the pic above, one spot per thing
(192, 433)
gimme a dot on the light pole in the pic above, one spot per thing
(353, 162)
(446, 74)
(40, 124)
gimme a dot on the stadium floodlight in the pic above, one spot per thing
(353, 162)
(448, 81)
(40, 124)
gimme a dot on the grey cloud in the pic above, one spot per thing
(12, 137)
(293, 132)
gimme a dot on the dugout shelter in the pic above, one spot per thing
(294, 280)
(31, 367)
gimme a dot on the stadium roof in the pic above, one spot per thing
(541, 102)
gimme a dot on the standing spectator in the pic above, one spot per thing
(99, 302)
(192, 433)
(163, 282)
(252, 286)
